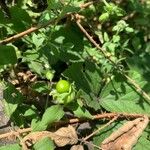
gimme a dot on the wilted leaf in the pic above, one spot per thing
(34, 137)
(65, 136)
(126, 136)
(77, 147)
(62, 137)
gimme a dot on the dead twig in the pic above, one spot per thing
(15, 133)
(24, 33)
(33, 29)
(85, 5)
(102, 127)
(76, 120)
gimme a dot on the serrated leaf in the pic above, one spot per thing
(30, 55)
(36, 67)
(54, 4)
(51, 115)
(119, 96)
(40, 87)
(19, 24)
(69, 9)
(143, 142)
(44, 144)
(87, 78)
(37, 40)
(116, 38)
(31, 111)
(7, 55)
(79, 111)
(74, 37)
(12, 98)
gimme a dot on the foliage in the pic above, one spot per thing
(31, 66)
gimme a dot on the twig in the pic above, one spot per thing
(15, 133)
(33, 29)
(104, 126)
(108, 57)
(90, 143)
(28, 31)
(77, 120)
(82, 6)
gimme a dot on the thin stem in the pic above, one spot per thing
(97, 131)
(105, 2)
(108, 57)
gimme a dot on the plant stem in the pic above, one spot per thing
(105, 2)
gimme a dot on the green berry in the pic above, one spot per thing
(63, 86)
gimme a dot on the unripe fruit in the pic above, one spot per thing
(62, 86)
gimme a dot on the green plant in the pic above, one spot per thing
(62, 86)
(49, 74)
(102, 48)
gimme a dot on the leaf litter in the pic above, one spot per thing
(126, 136)
(62, 137)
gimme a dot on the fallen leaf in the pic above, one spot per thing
(62, 137)
(34, 137)
(126, 136)
(77, 147)
(65, 136)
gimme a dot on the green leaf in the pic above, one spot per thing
(106, 37)
(54, 4)
(69, 9)
(30, 112)
(30, 55)
(116, 38)
(51, 115)
(37, 67)
(119, 96)
(143, 142)
(37, 40)
(11, 147)
(87, 78)
(69, 43)
(104, 17)
(7, 55)
(22, 23)
(12, 98)
(79, 111)
(136, 43)
(41, 87)
(129, 29)
(44, 144)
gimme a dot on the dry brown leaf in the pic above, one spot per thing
(77, 147)
(34, 137)
(126, 136)
(62, 137)
(65, 136)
